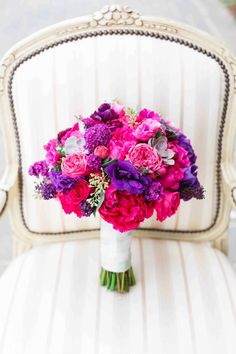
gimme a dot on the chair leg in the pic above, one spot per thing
(221, 243)
(19, 246)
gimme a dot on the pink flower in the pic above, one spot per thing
(123, 210)
(118, 108)
(181, 155)
(74, 131)
(173, 176)
(120, 143)
(146, 113)
(147, 129)
(144, 156)
(101, 151)
(74, 165)
(168, 205)
(70, 201)
(52, 156)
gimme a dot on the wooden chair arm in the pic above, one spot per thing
(229, 181)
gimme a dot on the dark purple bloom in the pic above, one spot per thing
(96, 135)
(190, 186)
(94, 162)
(61, 134)
(48, 191)
(86, 208)
(39, 168)
(61, 182)
(104, 113)
(185, 143)
(90, 122)
(153, 191)
(124, 176)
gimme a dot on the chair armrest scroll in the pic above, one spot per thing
(3, 200)
(229, 181)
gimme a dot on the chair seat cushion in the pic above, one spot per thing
(184, 302)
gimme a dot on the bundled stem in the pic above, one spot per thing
(120, 282)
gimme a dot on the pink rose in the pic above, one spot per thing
(144, 156)
(147, 129)
(52, 156)
(74, 131)
(70, 201)
(101, 151)
(173, 176)
(121, 141)
(74, 165)
(167, 205)
(123, 210)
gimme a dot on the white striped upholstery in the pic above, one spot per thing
(74, 78)
(184, 302)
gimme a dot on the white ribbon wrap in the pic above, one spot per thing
(115, 248)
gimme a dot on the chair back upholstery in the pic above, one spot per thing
(72, 67)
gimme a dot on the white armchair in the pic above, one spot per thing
(185, 297)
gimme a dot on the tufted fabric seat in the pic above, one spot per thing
(184, 302)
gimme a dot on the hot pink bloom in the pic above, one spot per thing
(173, 176)
(52, 156)
(120, 143)
(147, 129)
(181, 155)
(144, 156)
(74, 165)
(146, 113)
(71, 201)
(168, 205)
(101, 151)
(74, 131)
(123, 210)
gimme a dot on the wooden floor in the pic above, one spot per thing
(19, 18)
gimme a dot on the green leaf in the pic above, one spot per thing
(102, 197)
(159, 134)
(61, 151)
(109, 162)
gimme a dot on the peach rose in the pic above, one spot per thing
(101, 151)
(74, 165)
(144, 156)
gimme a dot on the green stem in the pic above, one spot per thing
(120, 282)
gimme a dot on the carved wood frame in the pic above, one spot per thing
(119, 20)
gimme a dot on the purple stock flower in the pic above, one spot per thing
(124, 176)
(48, 191)
(86, 208)
(39, 168)
(190, 186)
(104, 113)
(153, 191)
(61, 182)
(185, 143)
(94, 162)
(96, 135)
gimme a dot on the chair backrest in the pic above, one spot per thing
(70, 68)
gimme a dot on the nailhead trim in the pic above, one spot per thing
(136, 33)
(5, 204)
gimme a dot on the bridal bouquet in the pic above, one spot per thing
(126, 166)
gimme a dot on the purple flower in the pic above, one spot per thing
(61, 182)
(39, 168)
(185, 143)
(104, 113)
(190, 186)
(124, 176)
(94, 162)
(86, 208)
(61, 134)
(96, 135)
(47, 191)
(153, 191)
